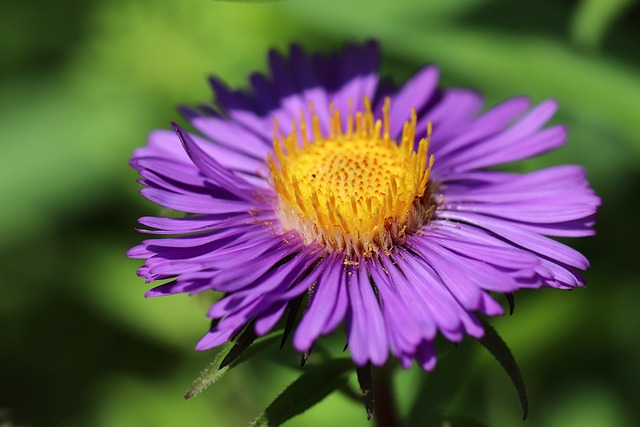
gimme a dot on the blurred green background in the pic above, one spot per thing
(83, 82)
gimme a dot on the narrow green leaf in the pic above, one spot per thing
(292, 314)
(310, 388)
(440, 389)
(365, 380)
(304, 357)
(214, 372)
(245, 340)
(512, 302)
(498, 348)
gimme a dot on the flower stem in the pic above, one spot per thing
(384, 412)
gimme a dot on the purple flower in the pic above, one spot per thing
(377, 203)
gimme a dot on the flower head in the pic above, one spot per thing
(376, 203)
(355, 191)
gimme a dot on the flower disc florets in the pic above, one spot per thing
(355, 190)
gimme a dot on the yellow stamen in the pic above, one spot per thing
(355, 190)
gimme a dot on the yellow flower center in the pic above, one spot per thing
(355, 190)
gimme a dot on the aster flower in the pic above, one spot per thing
(377, 203)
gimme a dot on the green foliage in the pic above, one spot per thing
(239, 353)
(315, 383)
(499, 349)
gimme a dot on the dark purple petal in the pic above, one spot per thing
(426, 355)
(242, 109)
(191, 284)
(311, 88)
(356, 76)
(558, 275)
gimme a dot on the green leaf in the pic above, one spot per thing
(498, 348)
(440, 391)
(292, 315)
(512, 302)
(310, 388)
(214, 371)
(245, 340)
(365, 380)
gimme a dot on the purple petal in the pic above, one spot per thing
(433, 295)
(451, 116)
(518, 142)
(235, 138)
(227, 327)
(486, 125)
(242, 109)
(357, 77)
(545, 212)
(402, 329)
(210, 167)
(410, 298)
(268, 320)
(476, 243)
(309, 84)
(171, 149)
(193, 203)
(414, 94)
(197, 224)
(325, 307)
(426, 355)
(522, 238)
(459, 283)
(366, 330)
